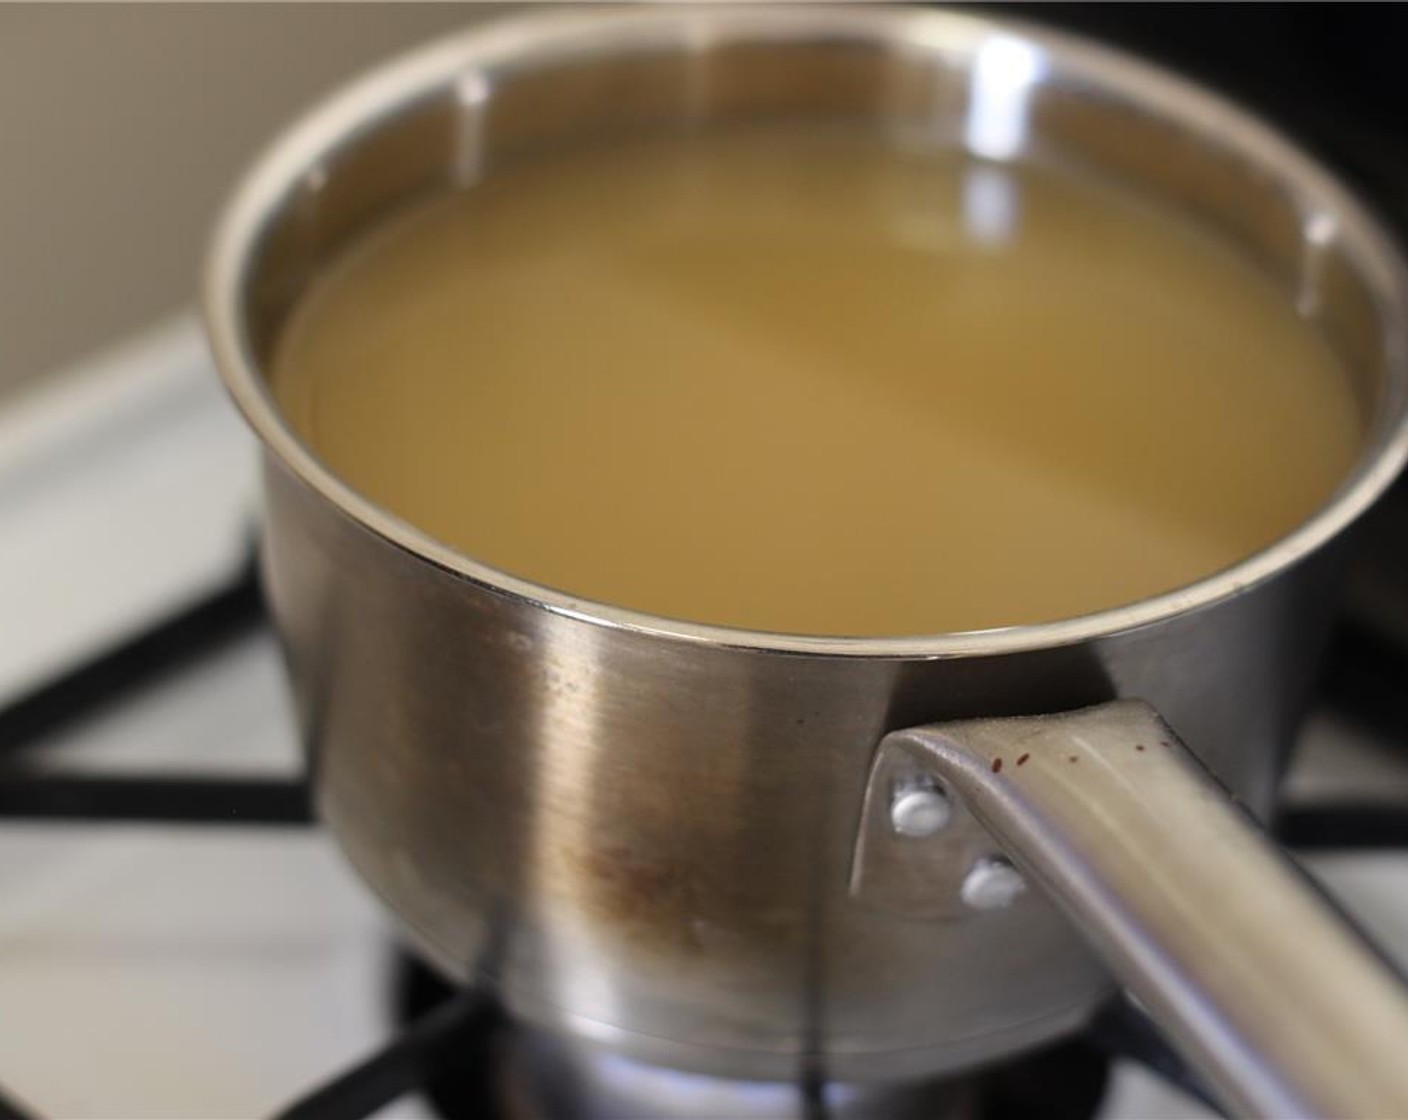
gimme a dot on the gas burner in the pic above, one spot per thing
(494, 1069)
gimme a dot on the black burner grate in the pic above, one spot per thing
(1362, 679)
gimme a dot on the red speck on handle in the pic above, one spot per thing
(997, 766)
(1022, 759)
(1139, 746)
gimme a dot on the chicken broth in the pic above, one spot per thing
(808, 381)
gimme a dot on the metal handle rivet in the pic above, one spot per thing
(992, 884)
(919, 810)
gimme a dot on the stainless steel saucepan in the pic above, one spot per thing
(729, 851)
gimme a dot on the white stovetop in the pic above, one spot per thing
(213, 973)
(151, 972)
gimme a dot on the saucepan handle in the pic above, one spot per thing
(1271, 995)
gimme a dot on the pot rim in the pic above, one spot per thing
(542, 38)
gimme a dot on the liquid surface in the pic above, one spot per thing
(807, 383)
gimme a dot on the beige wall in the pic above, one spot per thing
(121, 127)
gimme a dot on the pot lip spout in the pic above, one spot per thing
(351, 112)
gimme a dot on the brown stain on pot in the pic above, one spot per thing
(665, 908)
(648, 899)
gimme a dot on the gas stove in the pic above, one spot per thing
(177, 936)
(178, 939)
